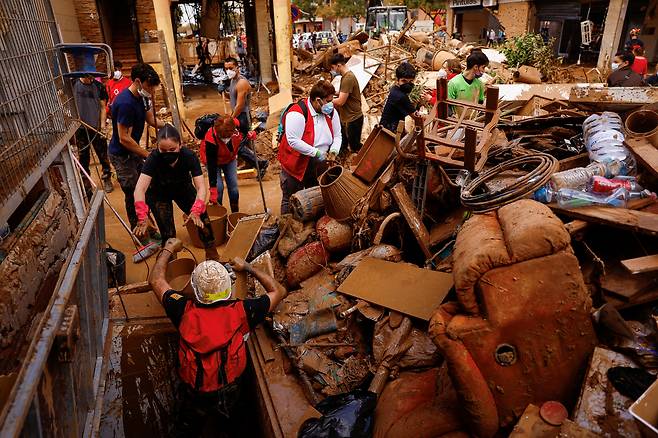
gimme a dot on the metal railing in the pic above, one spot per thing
(37, 110)
(58, 390)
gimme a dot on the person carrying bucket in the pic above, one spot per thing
(213, 328)
(173, 173)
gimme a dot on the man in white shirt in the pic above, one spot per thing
(312, 131)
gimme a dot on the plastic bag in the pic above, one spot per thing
(344, 415)
(265, 240)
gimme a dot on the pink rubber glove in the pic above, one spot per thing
(142, 210)
(198, 208)
(213, 195)
(251, 135)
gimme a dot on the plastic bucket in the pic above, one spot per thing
(116, 267)
(643, 124)
(217, 214)
(232, 222)
(179, 274)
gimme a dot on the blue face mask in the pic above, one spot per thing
(328, 108)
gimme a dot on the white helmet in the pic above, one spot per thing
(211, 282)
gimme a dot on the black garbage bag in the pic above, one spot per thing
(265, 240)
(344, 415)
(116, 267)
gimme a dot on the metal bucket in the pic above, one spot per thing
(643, 124)
(179, 274)
(232, 222)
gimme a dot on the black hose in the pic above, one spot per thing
(485, 201)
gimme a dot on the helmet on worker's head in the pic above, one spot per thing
(211, 282)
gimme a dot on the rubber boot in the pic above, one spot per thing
(235, 207)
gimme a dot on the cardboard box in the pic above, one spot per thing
(645, 411)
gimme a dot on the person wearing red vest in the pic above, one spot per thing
(223, 142)
(311, 131)
(213, 330)
(116, 85)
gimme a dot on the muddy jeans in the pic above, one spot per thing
(163, 211)
(85, 140)
(291, 185)
(196, 408)
(128, 167)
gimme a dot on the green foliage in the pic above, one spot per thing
(427, 5)
(350, 8)
(310, 7)
(530, 49)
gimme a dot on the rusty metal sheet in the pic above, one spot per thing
(243, 237)
(602, 409)
(398, 286)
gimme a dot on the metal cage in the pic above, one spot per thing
(37, 111)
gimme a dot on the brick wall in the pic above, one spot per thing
(515, 17)
(146, 19)
(88, 21)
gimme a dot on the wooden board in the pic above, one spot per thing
(398, 286)
(645, 152)
(413, 218)
(640, 265)
(633, 220)
(242, 238)
(643, 298)
(625, 285)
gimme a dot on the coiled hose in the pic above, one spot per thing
(546, 165)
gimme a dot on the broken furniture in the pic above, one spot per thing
(519, 333)
(454, 140)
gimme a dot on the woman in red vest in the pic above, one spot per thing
(311, 131)
(222, 141)
(213, 329)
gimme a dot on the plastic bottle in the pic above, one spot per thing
(570, 198)
(601, 184)
(577, 178)
(544, 194)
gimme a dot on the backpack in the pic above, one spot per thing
(203, 123)
(280, 130)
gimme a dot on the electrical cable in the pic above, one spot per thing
(483, 201)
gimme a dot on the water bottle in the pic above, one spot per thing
(601, 184)
(544, 194)
(577, 178)
(570, 198)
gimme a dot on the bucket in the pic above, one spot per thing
(643, 124)
(217, 214)
(179, 274)
(232, 222)
(116, 267)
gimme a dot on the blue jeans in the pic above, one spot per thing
(230, 171)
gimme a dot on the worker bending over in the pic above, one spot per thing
(311, 131)
(213, 329)
(172, 173)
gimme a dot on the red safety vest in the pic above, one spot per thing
(113, 88)
(291, 160)
(212, 350)
(224, 154)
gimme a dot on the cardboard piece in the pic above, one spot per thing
(601, 409)
(405, 288)
(645, 411)
(276, 104)
(363, 75)
(239, 245)
(142, 305)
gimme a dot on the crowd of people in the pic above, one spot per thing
(314, 130)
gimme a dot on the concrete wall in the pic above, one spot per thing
(67, 20)
(650, 40)
(37, 255)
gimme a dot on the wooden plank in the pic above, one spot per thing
(645, 152)
(625, 285)
(643, 298)
(413, 218)
(641, 264)
(243, 237)
(403, 287)
(633, 220)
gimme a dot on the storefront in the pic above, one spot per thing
(472, 20)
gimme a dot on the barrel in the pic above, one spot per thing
(307, 204)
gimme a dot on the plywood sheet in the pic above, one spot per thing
(398, 286)
(645, 152)
(242, 238)
(641, 264)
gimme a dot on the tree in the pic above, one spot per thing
(309, 8)
(350, 8)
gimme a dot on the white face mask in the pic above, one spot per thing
(443, 74)
(231, 73)
(226, 140)
(117, 74)
(145, 94)
(615, 66)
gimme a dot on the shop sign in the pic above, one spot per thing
(464, 3)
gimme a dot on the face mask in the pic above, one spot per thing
(406, 88)
(328, 108)
(443, 74)
(231, 74)
(615, 66)
(117, 75)
(226, 140)
(334, 73)
(478, 74)
(145, 94)
(169, 157)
